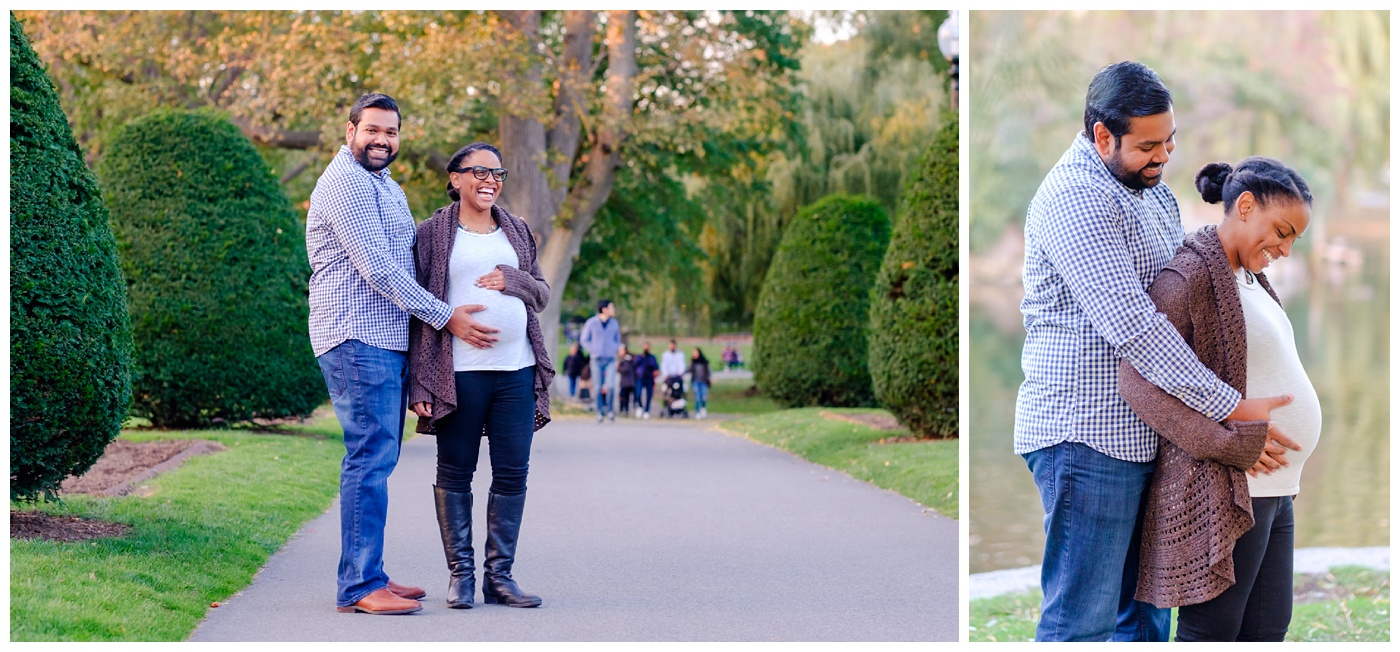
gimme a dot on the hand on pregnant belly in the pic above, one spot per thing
(493, 280)
(1276, 447)
(468, 329)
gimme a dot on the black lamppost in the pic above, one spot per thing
(948, 44)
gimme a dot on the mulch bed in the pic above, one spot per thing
(120, 470)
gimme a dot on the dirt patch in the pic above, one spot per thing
(124, 465)
(876, 421)
(38, 525)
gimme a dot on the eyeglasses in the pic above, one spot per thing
(480, 172)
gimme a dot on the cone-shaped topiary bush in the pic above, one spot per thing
(914, 312)
(216, 271)
(811, 321)
(70, 341)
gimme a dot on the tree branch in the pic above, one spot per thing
(282, 138)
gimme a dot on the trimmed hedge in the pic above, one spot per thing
(70, 339)
(811, 321)
(216, 270)
(914, 312)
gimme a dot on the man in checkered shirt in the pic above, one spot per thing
(359, 237)
(1100, 228)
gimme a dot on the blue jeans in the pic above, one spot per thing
(1259, 606)
(369, 391)
(1093, 519)
(573, 385)
(645, 387)
(502, 404)
(604, 376)
(702, 390)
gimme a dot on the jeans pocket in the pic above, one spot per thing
(1043, 468)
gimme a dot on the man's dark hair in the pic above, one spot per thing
(603, 303)
(1121, 92)
(373, 101)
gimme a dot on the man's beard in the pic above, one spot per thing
(362, 155)
(1133, 179)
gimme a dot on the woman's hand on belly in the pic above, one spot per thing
(1275, 450)
(493, 280)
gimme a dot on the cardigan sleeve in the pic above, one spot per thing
(527, 281)
(417, 346)
(1234, 443)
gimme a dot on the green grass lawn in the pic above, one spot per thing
(924, 471)
(197, 536)
(732, 396)
(1347, 604)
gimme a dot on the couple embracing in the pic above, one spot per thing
(1165, 414)
(441, 316)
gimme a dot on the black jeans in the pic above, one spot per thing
(1260, 604)
(502, 404)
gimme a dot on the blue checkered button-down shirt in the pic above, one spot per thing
(359, 237)
(1092, 248)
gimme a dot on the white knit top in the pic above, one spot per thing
(1274, 369)
(473, 256)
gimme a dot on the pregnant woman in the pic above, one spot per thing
(1217, 539)
(495, 384)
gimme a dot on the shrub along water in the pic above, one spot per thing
(216, 268)
(811, 321)
(914, 310)
(70, 339)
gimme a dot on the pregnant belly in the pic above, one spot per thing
(1300, 420)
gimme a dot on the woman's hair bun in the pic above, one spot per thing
(452, 192)
(1210, 181)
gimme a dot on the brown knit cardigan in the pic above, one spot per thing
(430, 350)
(1199, 502)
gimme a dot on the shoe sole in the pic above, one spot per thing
(526, 605)
(387, 612)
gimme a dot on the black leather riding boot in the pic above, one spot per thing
(502, 528)
(454, 514)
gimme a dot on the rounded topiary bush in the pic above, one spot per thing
(811, 321)
(914, 310)
(70, 341)
(216, 270)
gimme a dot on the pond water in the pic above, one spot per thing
(1341, 319)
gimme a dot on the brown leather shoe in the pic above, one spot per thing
(410, 592)
(382, 603)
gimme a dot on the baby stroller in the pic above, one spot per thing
(675, 398)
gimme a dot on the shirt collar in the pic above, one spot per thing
(350, 158)
(1085, 149)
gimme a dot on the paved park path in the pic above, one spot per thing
(640, 531)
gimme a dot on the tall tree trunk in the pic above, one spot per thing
(523, 143)
(601, 163)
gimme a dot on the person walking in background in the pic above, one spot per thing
(645, 369)
(359, 239)
(601, 338)
(700, 380)
(574, 364)
(626, 379)
(673, 363)
(496, 387)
